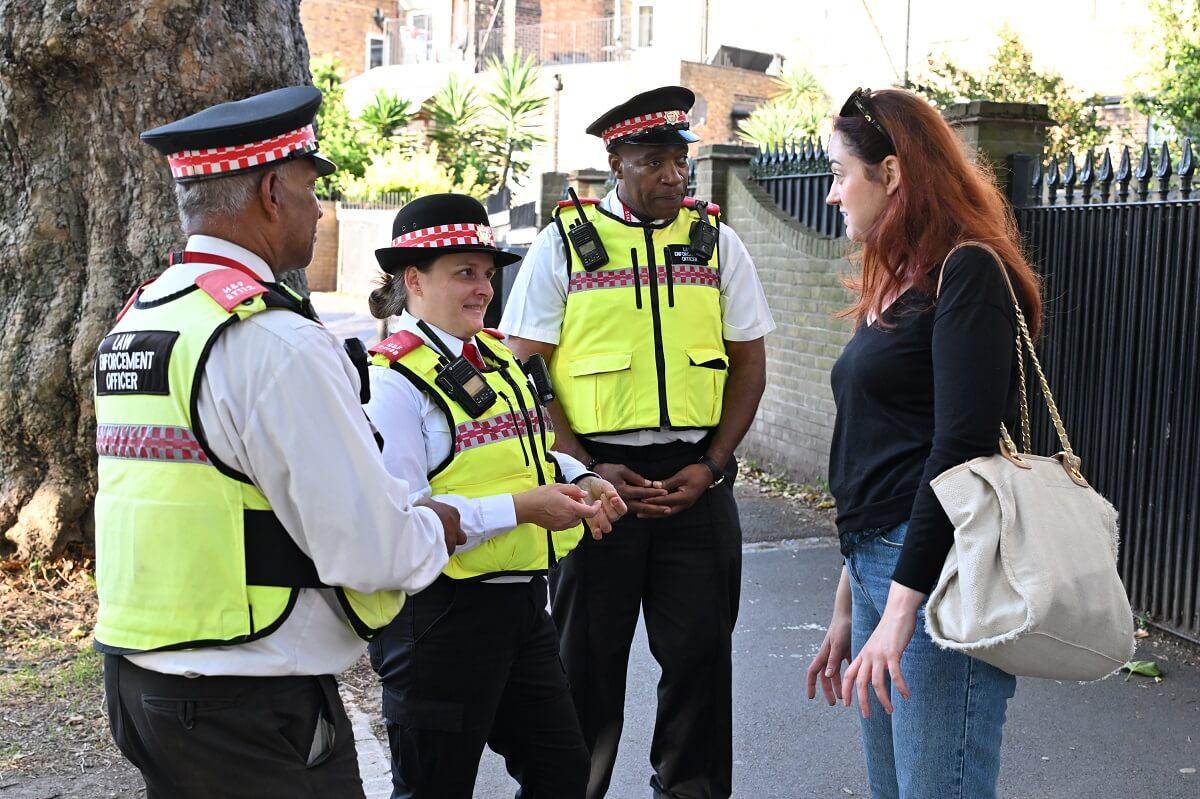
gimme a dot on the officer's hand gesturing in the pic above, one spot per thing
(683, 489)
(451, 524)
(557, 506)
(612, 507)
(631, 486)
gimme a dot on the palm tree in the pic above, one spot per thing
(515, 108)
(457, 126)
(795, 113)
(386, 114)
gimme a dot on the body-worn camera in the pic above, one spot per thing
(704, 234)
(466, 386)
(585, 239)
(539, 376)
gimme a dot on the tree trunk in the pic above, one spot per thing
(87, 211)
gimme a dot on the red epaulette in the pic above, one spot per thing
(582, 200)
(397, 345)
(494, 333)
(713, 208)
(229, 287)
(133, 297)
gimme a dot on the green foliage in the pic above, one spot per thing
(386, 114)
(1173, 93)
(1011, 77)
(342, 138)
(458, 126)
(515, 108)
(412, 174)
(796, 112)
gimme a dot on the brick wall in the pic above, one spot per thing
(718, 90)
(556, 11)
(801, 273)
(323, 270)
(339, 28)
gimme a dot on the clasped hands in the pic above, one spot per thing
(655, 499)
(560, 506)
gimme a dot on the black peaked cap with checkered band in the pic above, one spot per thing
(658, 116)
(232, 138)
(437, 224)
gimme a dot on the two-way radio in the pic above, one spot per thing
(586, 240)
(459, 378)
(704, 234)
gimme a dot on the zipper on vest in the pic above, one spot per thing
(670, 278)
(660, 361)
(637, 278)
(537, 462)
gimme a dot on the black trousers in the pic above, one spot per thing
(466, 664)
(235, 737)
(684, 573)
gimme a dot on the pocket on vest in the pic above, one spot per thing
(601, 396)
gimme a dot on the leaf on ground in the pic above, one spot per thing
(1146, 668)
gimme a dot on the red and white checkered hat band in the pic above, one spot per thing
(447, 236)
(643, 123)
(223, 160)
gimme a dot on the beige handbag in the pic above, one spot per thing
(1031, 584)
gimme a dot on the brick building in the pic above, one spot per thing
(346, 30)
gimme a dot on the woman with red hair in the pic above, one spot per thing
(923, 385)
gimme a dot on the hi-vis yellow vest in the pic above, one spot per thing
(641, 345)
(504, 451)
(188, 551)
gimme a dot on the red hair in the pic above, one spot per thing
(943, 199)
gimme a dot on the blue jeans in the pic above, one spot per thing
(944, 741)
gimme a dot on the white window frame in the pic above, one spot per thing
(636, 17)
(371, 39)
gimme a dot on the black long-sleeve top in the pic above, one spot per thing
(918, 397)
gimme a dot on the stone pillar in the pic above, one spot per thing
(714, 164)
(1010, 136)
(553, 184)
(588, 182)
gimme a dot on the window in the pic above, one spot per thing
(644, 17)
(374, 51)
(420, 36)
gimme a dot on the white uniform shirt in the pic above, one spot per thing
(279, 403)
(404, 414)
(538, 302)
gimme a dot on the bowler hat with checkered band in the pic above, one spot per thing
(437, 224)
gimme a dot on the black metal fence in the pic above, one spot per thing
(1119, 251)
(1121, 345)
(797, 177)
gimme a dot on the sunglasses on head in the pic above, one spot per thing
(859, 104)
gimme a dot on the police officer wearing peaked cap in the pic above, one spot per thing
(248, 536)
(652, 320)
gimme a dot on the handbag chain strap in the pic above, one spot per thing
(1024, 342)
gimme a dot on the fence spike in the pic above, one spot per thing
(1187, 168)
(1052, 180)
(1087, 176)
(1124, 174)
(1105, 176)
(1142, 173)
(1068, 178)
(1163, 172)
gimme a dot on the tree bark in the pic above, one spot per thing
(87, 211)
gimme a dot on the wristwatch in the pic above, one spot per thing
(717, 472)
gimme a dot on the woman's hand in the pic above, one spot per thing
(880, 658)
(556, 506)
(631, 486)
(835, 649)
(612, 507)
